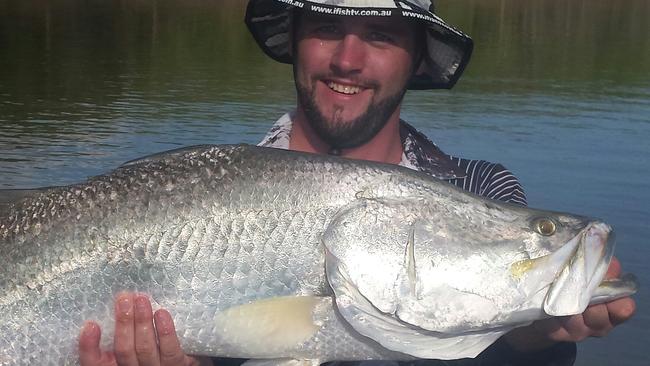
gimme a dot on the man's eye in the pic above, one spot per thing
(326, 29)
(380, 37)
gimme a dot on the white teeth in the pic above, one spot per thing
(345, 89)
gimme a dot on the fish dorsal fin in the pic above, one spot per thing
(372, 270)
(166, 155)
(10, 197)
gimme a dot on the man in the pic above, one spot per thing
(352, 66)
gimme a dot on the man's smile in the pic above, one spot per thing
(344, 89)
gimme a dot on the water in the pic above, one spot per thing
(558, 91)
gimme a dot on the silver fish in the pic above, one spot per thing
(276, 255)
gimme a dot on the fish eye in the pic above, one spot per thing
(544, 226)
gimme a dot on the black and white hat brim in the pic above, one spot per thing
(448, 50)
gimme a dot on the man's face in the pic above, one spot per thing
(351, 74)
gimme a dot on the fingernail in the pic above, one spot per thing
(124, 304)
(163, 323)
(89, 329)
(141, 304)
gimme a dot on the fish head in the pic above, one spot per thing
(567, 259)
(458, 272)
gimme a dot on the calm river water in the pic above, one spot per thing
(558, 91)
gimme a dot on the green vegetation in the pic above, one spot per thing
(96, 51)
(556, 39)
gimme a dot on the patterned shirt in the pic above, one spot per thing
(481, 177)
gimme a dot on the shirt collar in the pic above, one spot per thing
(419, 153)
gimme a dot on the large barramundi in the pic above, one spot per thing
(269, 254)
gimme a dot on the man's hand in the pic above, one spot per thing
(135, 337)
(595, 321)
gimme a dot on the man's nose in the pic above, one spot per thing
(349, 55)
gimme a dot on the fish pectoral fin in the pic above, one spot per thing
(271, 325)
(280, 362)
(409, 265)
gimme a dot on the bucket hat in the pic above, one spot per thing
(447, 49)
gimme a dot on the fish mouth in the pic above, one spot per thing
(585, 259)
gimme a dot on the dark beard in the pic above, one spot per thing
(345, 135)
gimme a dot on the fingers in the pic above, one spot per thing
(135, 341)
(596, 320)
(170, 348)
(553, 329)
(621, 310)
(575, 327)
(124, 342)
(593, 322)
(135, 334)
(146, 348)
(89, 352)
(564, 329)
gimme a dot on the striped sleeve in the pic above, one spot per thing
(489, 180)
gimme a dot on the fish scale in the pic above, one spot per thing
(262, 253)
